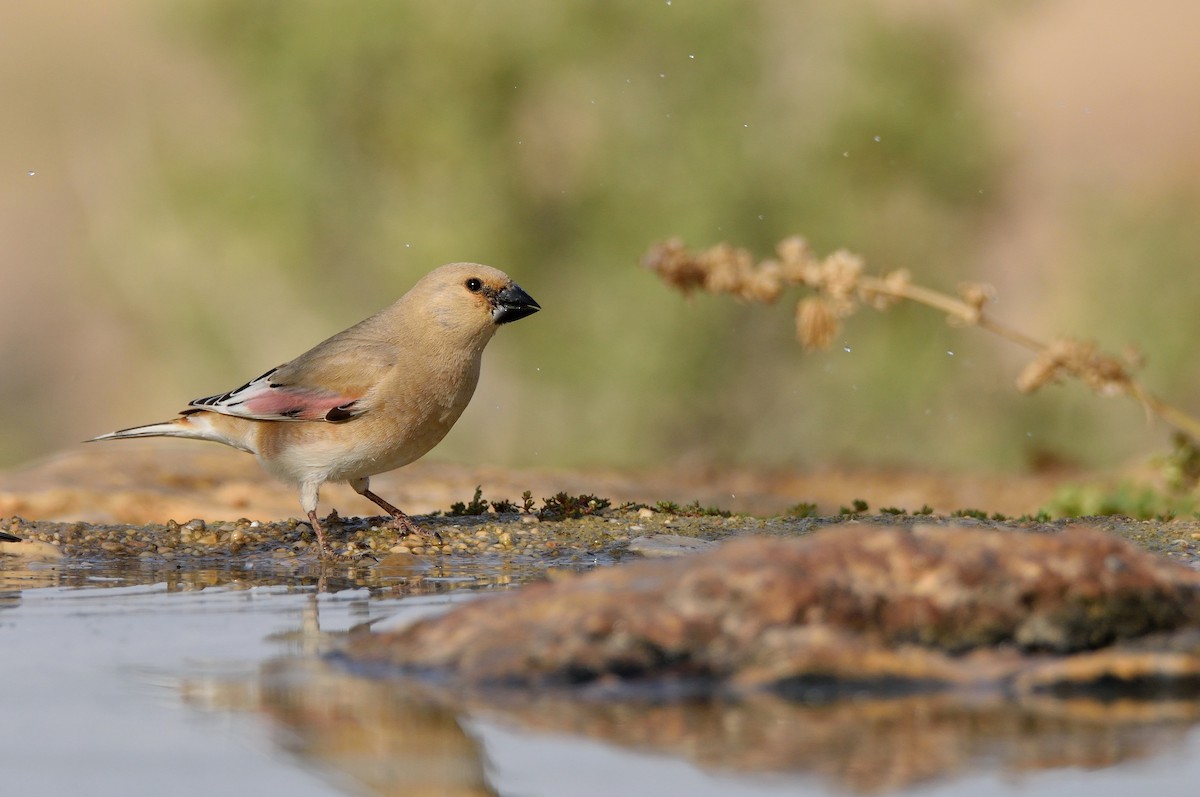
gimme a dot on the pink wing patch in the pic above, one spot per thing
(264, 400)
(292, 403)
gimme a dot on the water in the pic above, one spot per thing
(142, 680)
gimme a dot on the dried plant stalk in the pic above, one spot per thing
(839, 288)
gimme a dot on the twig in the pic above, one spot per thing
(839, 289)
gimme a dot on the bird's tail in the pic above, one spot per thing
(165, 429)
(194, 424)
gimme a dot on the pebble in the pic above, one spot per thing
(505, 536)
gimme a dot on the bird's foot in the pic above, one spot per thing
(399, 521)
(322, 541)
(405, 524)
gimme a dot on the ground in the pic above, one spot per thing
(153, 481)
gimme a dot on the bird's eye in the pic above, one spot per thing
(474, 285)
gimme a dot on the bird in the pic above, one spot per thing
(372, 398)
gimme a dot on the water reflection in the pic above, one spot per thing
(362, 735)
(382, 736)
(380, 740)
(397, 736)
(393, 577)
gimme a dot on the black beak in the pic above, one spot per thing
(512, 304)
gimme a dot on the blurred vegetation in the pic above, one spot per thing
(545, 138)
(1127, 499)
(351, 147)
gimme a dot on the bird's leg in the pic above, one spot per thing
(309, 495)
(322, 543)
(400, 521)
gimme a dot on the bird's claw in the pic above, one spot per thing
(403, 523)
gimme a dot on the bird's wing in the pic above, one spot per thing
(327, 383)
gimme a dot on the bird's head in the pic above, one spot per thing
(472, 298)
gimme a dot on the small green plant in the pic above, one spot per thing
(1181, 467)
(925, 509)
(562, 506)
(477, 505)
(892, 510)
(857, 507)
(504, 507)
(803, 509)
(977, 514)
(694, 509)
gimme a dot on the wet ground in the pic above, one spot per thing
(190, 658)
(200, 670)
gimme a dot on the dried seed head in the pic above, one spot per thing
(795, 254)
(765, 283)
(722, 274)
(976, 294)
(675, 265)
(816, 323)
(1106, 376)
(891, 291)
(839, 281)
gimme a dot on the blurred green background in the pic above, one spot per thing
(193, 192)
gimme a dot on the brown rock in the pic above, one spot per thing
(852, 606)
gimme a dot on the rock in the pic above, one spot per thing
(844, 610)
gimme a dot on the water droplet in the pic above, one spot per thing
(878, 139)
(32, 172)
(760, 217)
(950, 353)
(846, 349)
(691, 56)
(845, 154)
(668, 2)
(662, 74)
